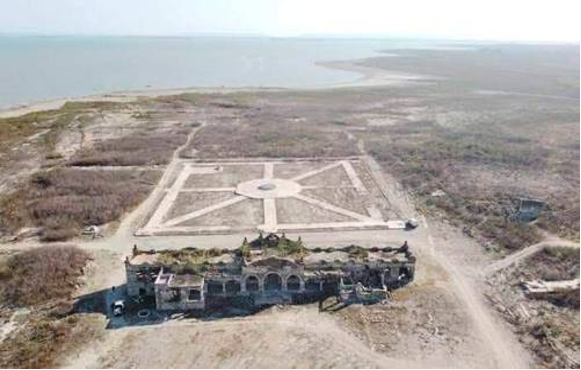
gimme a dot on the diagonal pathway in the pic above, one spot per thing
(203, 211)
(168, 200)
(357, 183)
(157, 223)
(315, 172)
(332, 208)
(206, 190)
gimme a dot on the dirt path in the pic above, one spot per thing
(551, 241)
(502, 344)
(499, 340)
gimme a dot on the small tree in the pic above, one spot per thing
(245, 249)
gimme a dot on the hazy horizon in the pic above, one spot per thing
(454, 20)
(306, 36)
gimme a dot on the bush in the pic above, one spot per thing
(426, 156)
(32, 346)
(272, 139)
(554, 264)
(39, 342)
(58, 234)
(154, 148)
(42, 275)
(567, 299)
(62, 201)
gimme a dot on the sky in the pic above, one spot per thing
(510, 20)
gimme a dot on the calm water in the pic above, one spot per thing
(40, 68)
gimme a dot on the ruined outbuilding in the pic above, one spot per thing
(527, 210)
(268, 270)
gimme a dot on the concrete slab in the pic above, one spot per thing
(267, 189)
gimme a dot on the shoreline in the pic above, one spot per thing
(369, 77)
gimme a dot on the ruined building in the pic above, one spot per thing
(268, 270)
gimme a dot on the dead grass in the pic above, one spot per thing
(42, 340)
(42, 275)
(63, 200)
(47, 279)
(569, 299)
(15, 129)
(553, 264)
(139, 149)
(556, 336)
(272, 139)
(427, 157)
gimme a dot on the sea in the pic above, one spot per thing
(39, 68)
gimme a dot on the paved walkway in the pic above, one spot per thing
(159, 224)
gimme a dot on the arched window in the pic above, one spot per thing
(252, 284)
(273, 281)
(293, 283)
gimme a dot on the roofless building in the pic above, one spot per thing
(268, 270)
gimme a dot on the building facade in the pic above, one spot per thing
(268, 270)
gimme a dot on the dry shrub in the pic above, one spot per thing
(563, 216)
(566, 299)
(272, 139)
(510, 235)
(42, 275)
(64, 200)
(39, 342)
(554, 264)
(57, 233)
(136, 150)
(552, 332)
(426, 157)
(46, 278)
(33, 346)
(13, 129)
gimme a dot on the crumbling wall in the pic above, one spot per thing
(140, 280)
(178, 298)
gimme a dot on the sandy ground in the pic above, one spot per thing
(376, 77)
(277, 338)
(446, 295)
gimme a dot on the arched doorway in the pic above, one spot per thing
(251, 283)
(272, 282)
(293, 283)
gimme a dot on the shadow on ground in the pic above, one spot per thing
(142, 312)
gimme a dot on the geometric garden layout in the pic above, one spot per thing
(269, 196)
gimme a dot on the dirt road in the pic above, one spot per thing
(500, 341)
(507, 353)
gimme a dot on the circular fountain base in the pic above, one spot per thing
(268, 188)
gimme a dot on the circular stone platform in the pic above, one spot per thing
(268, 188)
